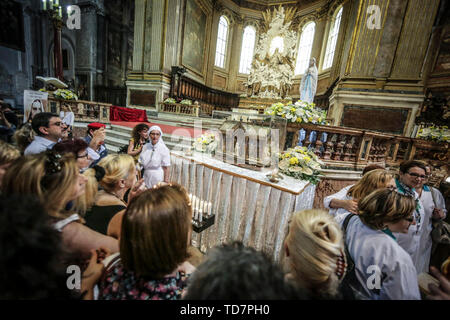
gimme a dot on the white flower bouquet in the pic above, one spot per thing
(170, 101)
(299, 112)
(186, 101)
(300, 163)
(434, 133)
(206, 143)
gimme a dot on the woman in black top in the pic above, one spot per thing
(120, 176)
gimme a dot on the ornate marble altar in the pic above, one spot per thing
(248, 207)
(273, 63)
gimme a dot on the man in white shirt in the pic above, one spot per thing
(49, 129)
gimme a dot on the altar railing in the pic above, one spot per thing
(179, 108)
(341, 147)
(86, 111)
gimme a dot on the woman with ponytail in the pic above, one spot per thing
(315, 258)
(115, 174)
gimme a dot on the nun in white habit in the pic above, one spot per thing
(155, 159)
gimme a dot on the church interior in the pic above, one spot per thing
(258, 109)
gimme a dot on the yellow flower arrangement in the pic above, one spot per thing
(65, 94)
(300, 163)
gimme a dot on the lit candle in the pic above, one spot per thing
(195, 208)
(205, 207)
(44, 3)
(200, 211)
(209, 208)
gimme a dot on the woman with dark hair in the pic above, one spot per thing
(154, 240)
(30, 265)
(138, 140)
(78, 147)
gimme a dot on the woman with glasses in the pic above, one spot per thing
(412, 174)
(155, 159)
(383, 269)
(78, 147)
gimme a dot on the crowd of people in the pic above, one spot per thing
(127, 227)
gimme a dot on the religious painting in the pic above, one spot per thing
(34, 102)
(383, 119)
(194, 38)
(11, 32)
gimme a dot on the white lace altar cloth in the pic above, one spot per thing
(248, 207)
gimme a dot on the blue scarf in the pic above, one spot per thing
(407, 191)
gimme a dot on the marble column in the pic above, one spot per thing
(212, 45)
(86, 47)
(236, 47)
(318, 36)
(156, 41)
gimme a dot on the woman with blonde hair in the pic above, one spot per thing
(369, 182)
(119, 176)
(154, 241)
(8, 154)
(56, 181)
(315, 258)
(383, 269)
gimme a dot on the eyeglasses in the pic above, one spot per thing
(415, 175)
(58, 124)
(86, 155)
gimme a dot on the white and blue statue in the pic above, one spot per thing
(308, 85)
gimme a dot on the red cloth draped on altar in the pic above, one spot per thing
(127, 114)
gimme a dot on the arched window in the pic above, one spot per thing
(304, 48)
(332, 38)
(221, 47)
(248, 45)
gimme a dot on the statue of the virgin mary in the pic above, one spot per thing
(308, 84)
